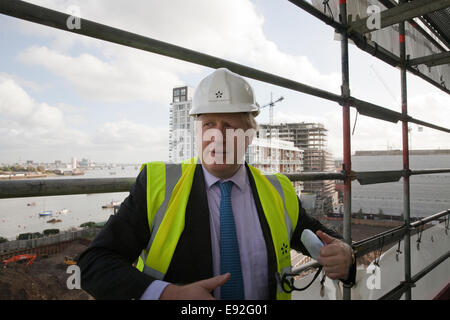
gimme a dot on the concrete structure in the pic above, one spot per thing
(74, 163)
(276, 155)
(312, 139)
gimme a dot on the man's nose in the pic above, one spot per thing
(221, 127)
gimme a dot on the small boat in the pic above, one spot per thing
(54, 220)
(111, 205)
(63, 211)
(45, 213)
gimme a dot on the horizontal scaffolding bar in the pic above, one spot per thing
(309, 176)
(376, 242)
(428, 219)
(400, 13)
(305, 267)
(318, 14)
(429, 171)
(432, 60)
(373, 177)
(374, 111)
(390, 236)
(427, 124)
(380, 240)
(57, 187)
(55, 19)
(397, 292)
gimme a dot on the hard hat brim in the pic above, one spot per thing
(227, 109)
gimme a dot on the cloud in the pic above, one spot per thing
(22, 111)
(121, 80)
(131, 142)
(231, 30)
(28, 126)
(39, 131)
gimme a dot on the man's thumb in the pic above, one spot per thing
(212, 283)
(326, 239)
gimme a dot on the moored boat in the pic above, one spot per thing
(45, 213)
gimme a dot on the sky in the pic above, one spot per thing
(64, 95)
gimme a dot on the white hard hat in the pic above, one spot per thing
(223, 92)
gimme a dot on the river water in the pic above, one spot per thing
(429, 194)
(17, 217)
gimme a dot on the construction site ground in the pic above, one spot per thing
(46, 278)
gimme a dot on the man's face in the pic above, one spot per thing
(224, 140)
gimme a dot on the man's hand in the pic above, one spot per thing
(336, 257)
(200, 290)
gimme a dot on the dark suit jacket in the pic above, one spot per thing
(106, 265)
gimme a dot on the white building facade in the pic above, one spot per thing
(181, 125)
(275, 155)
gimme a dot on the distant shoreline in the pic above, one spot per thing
(23, 176)
(20, 177)
(398, 152)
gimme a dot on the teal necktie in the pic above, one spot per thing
(230, 260)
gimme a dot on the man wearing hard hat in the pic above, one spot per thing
(213, 227)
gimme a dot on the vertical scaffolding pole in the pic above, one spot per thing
(406, 185)
(345, 90)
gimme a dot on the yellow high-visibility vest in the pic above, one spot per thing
(168, 190)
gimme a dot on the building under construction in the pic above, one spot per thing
(275, 155)
(312, 138)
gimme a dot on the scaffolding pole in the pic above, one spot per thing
(406, 184)
(431, 60)
(345, 89)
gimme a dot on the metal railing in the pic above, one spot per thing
(58, 187)
(360, 248)
(55, 19)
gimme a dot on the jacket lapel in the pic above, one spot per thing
(192, 259)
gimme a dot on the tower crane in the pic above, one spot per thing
(271, 105)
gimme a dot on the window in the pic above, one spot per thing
(180, 94)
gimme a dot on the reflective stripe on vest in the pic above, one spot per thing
(275, 204)
(166, 217)
(162, 181)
